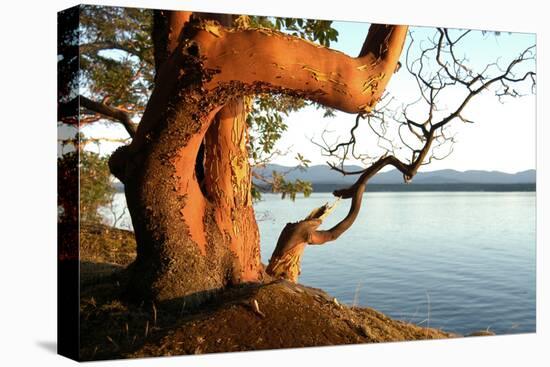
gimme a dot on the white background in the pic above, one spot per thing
(28, 183)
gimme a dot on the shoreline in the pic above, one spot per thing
(413, 187)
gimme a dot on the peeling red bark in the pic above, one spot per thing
(228, 185)
(187, 185)
(332, 78)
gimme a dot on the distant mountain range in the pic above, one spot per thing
(324, 179)
(322, 174)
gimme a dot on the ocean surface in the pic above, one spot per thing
(460, 261)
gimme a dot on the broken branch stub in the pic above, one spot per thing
(286, 258)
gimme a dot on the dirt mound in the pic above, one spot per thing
(254, 317)
(286, 316)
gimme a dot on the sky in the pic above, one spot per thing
(502, 138)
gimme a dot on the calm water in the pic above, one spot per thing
(461, 261)
(458, 261)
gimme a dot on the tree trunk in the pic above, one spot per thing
(192, 240)
(181, 251)
(228, 187)
(192, 212)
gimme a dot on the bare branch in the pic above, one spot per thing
(66, 111)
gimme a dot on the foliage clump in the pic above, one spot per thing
(96, 187)
(85, 182)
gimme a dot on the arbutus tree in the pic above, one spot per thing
(197, 234)
(187, 172)
(120, 50)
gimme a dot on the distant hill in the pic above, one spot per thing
(326, 180)
(322, 174)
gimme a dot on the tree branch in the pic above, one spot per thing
(356, 191)
(263, 60)
(167, 26)
(66, 111)
(114, 113)
(282, 61)
(321, 237)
